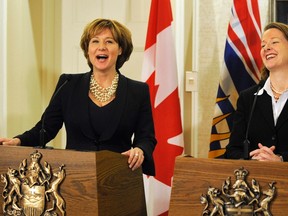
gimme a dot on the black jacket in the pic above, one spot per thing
(132, 117)
(262, 128)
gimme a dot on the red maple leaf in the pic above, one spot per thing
(167, 121)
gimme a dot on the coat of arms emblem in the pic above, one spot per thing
(33, 189)
(239, 198)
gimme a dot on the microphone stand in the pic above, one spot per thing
(42, 130)
(246, 142)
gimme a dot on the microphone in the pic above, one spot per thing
(246, 142)
(43, 131)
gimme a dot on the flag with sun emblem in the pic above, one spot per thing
(241, 69)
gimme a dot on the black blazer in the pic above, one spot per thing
(132, 117)
(262, 128)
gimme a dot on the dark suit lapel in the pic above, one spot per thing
(81, 103)
(264, 105)
(120, 100)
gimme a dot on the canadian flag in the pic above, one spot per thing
(160, 73)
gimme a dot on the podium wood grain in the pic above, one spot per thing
(192, 178)
(96, 183)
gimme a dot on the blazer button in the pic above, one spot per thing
(273, 138)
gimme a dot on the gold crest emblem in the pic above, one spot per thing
(239, 198)
(31, 189)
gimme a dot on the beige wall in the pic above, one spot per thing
(24, 62)
(35, 62)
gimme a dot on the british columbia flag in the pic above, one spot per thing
(241, 69)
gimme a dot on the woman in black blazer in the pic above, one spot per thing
(101, 109)
(267, 133)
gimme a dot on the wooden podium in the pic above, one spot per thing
(193, 177)
(96, 183)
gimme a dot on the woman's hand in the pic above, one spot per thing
(264, 154)
(10, 142)
(135, 157)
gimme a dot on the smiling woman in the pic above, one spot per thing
(106, 44)
(102, 34)
(267, 117)
(101, 109)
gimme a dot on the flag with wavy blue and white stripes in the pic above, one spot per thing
(241, 69)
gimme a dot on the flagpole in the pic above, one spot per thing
(180, 44)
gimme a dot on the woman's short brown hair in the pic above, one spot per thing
(284, 29)
(120, 33)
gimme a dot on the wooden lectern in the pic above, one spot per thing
(96, 183)
(193, 177)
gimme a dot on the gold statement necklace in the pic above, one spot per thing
(103, 94)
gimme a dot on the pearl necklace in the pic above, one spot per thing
(275, 91)
(103, 94)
